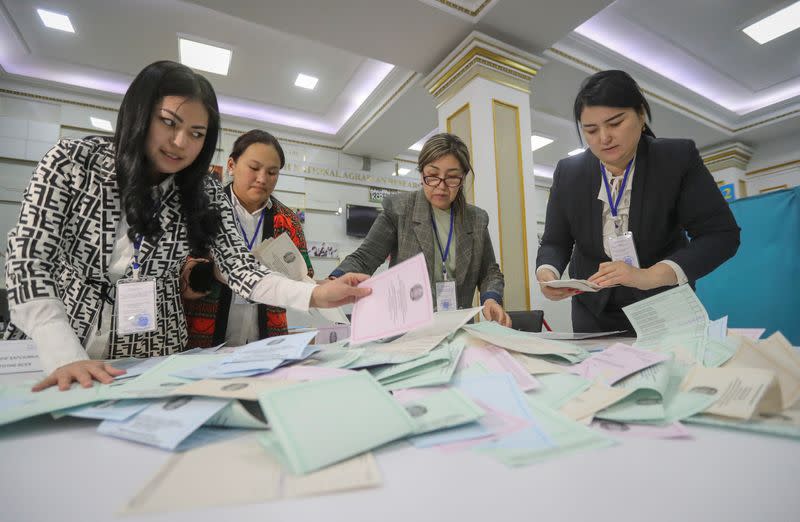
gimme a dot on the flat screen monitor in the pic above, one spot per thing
(360, 219)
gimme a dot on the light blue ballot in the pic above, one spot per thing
(116, 410)
(500, 392)
(19, 402)
(567, 436)
(160, 381)
(165, 423)
(319, 423)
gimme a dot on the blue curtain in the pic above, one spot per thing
(760, 286)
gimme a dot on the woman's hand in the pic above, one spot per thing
(186, 290)
(340, 291)
(619, 273)
(82, 371)
(493, 311)
(554, 294)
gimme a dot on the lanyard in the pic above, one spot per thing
(446, 250)
(137, 244)
(614, 205)
(252, 241)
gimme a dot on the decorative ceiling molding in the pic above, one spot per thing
(728, 155)
(775, 169)
(472, 10)
(587, 55)
(484, 56)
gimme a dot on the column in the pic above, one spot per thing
(482, 90)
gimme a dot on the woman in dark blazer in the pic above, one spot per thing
(628, 183)
(422, 221)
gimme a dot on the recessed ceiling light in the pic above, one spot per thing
(575, 152)
(204, 57)
(55, 20)
(775, 25)
(305, 81)
(417, 146)
(100, 123)
(537, 142)
(403, 171)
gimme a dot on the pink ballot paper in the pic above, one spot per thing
(616, 362)
(400, 301)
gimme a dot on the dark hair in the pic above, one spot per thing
(151, 85)
(256, 136)
(441, 145)
(611, 89)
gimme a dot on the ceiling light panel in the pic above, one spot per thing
(205, 57)
(777, 24)
(305, 81)
(56, 20)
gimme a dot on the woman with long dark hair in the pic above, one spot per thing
(632, 212)
(438, 221)
(219, 315)
(105, 226)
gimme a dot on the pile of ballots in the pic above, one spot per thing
(302, 419)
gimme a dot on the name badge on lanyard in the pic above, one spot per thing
(136, 300)
(238, 299)
(621, 245)
(445, 290)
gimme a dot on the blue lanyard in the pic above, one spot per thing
(252, 241)
(446, 251)
(614, 205)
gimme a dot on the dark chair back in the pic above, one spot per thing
(527, 320)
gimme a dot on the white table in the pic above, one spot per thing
(63, 471)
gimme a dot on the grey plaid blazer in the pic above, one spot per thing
(404, 229)
(62, 246)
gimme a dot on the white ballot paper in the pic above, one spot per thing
(400, 301)
(19, 357)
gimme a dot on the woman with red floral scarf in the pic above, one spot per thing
(220, 315)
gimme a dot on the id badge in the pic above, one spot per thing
(623, 249)
(446, 296)
(136, 306)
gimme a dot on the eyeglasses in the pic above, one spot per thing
(435, 181)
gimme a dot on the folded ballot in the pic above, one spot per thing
(319, 423)
(280, 254)
(576, 284)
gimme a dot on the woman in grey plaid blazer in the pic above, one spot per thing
(422, 221)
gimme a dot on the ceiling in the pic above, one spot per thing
(705, 79)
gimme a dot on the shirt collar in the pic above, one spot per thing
(241, 208)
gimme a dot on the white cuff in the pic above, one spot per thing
(278, 290)
(45, 321)
(549, 267)
(679, 273)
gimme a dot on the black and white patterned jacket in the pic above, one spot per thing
(62, 246)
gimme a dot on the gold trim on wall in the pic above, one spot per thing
(774, 167)
(465, 107)
(720, 183)
(511, 66)
(742, 189)
(520, 174)
(770, 189)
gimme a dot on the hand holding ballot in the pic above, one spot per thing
(552, 287)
